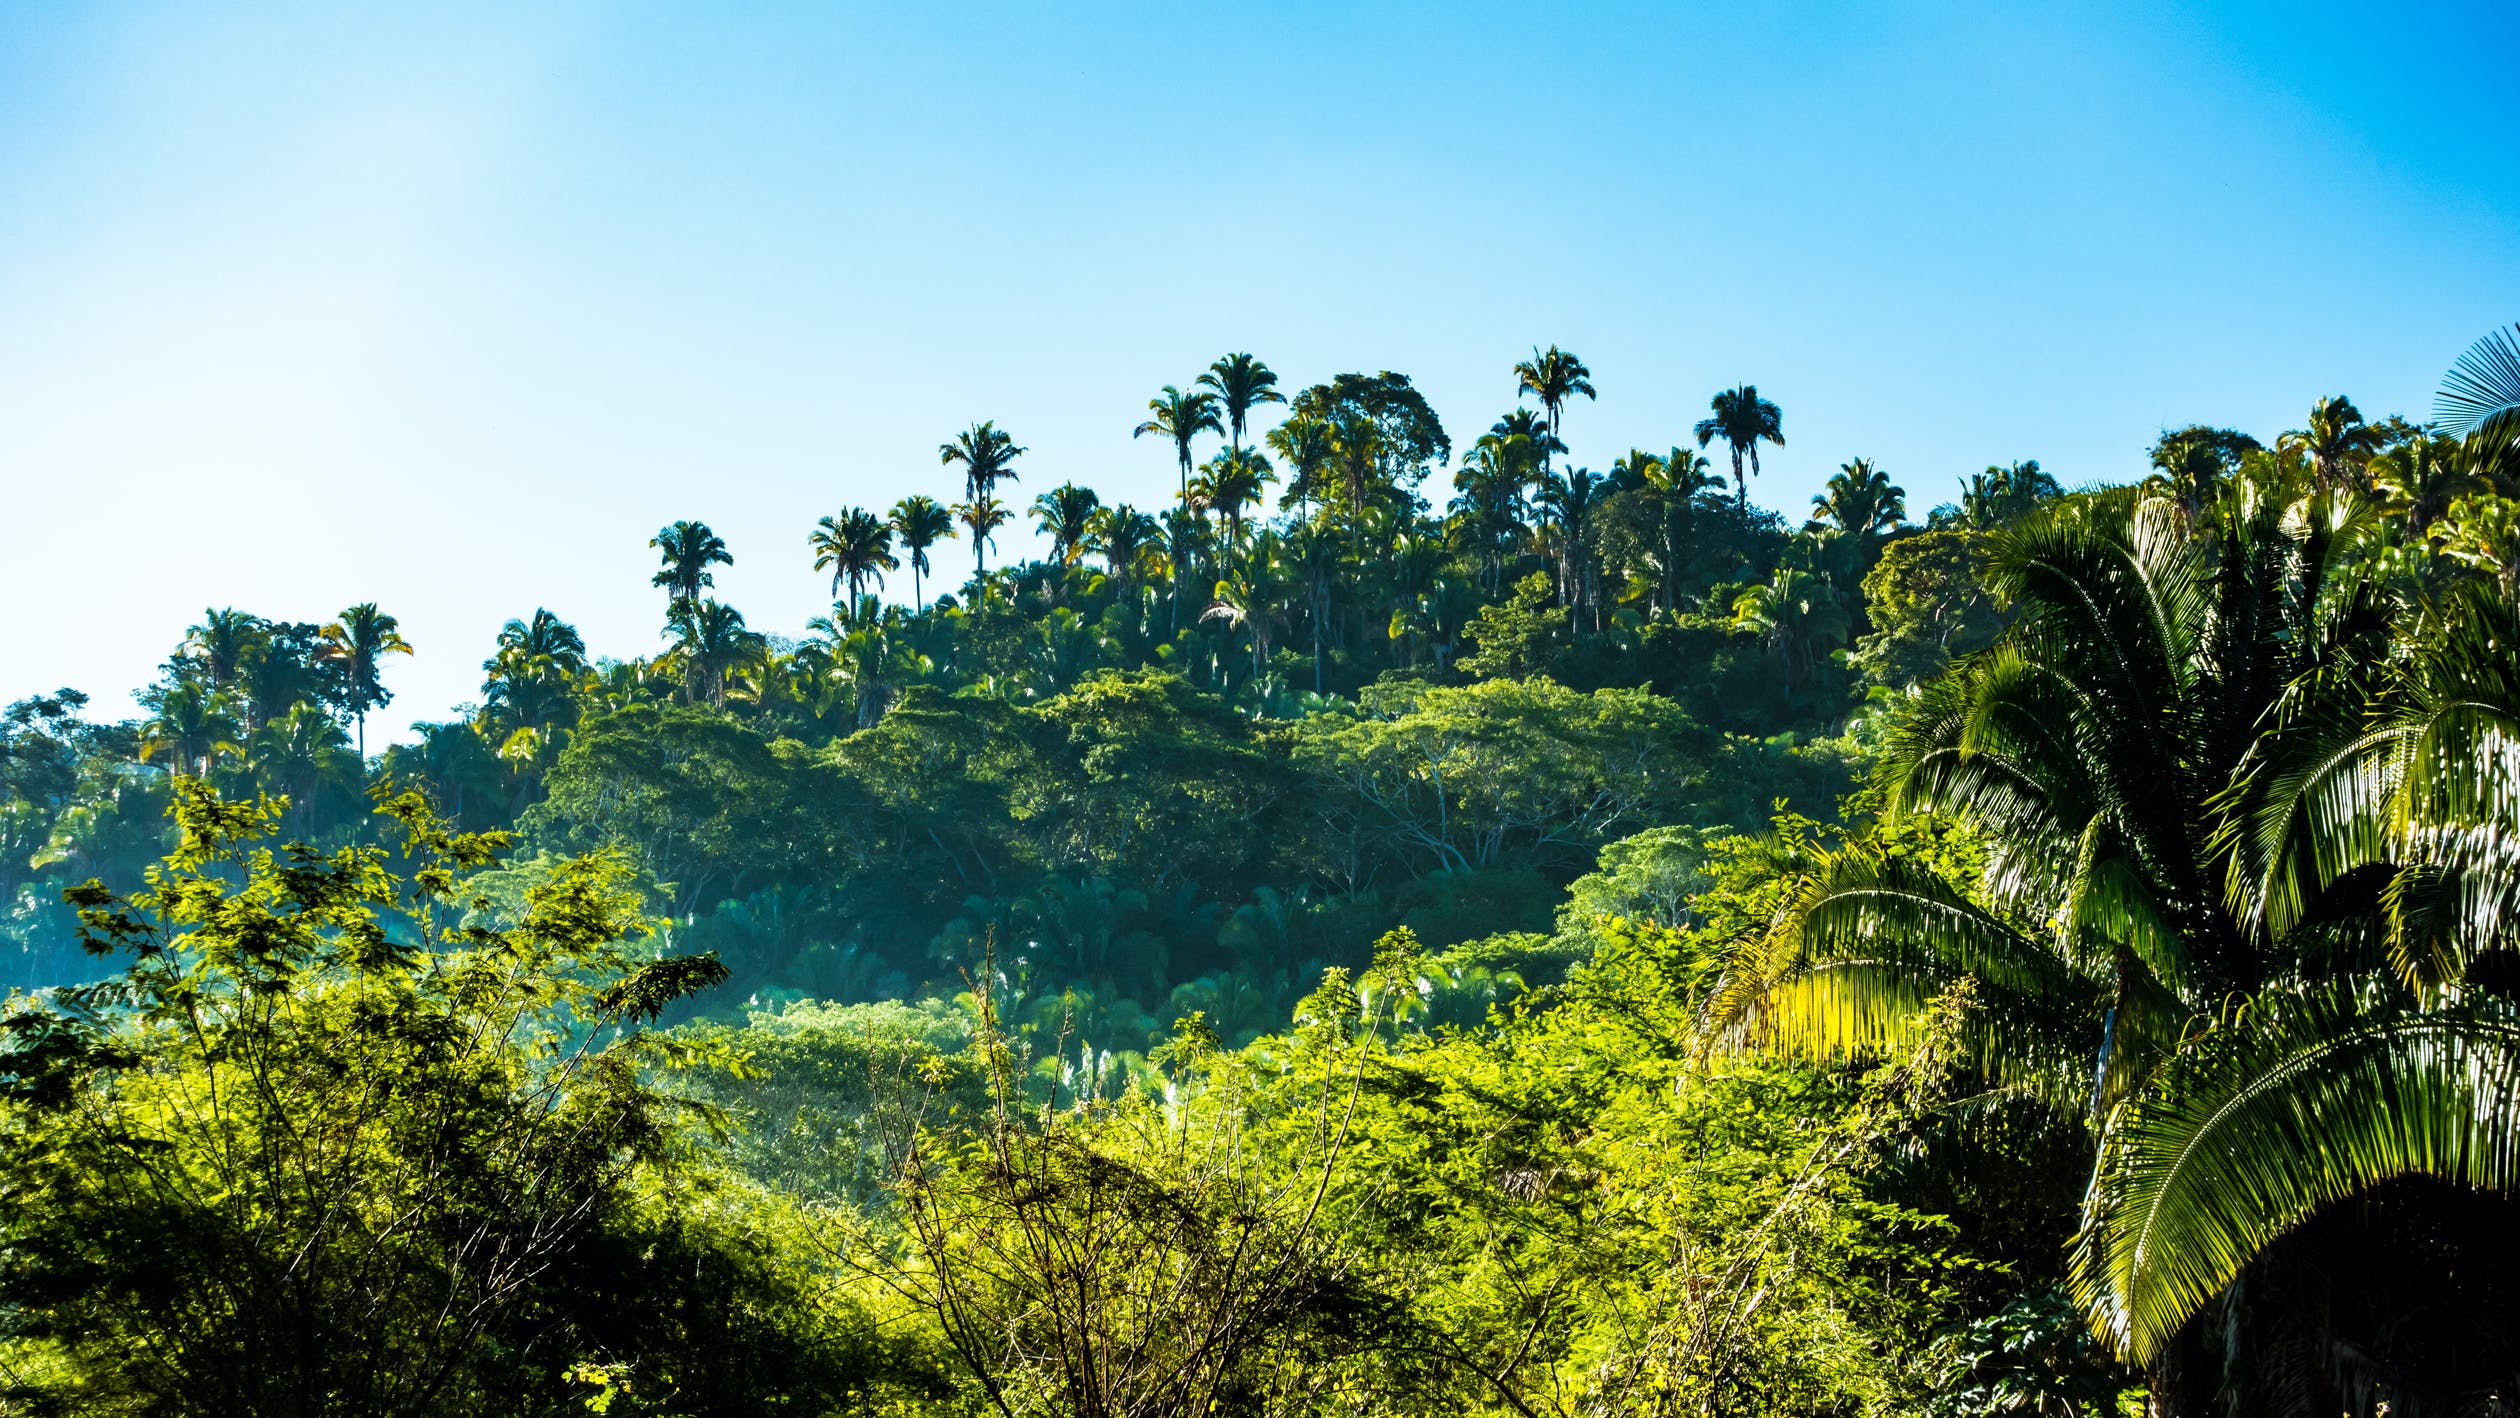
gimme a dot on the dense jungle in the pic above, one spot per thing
(1411, 926)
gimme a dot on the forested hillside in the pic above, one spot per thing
(1409, 926)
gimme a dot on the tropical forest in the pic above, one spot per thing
(1409, 925)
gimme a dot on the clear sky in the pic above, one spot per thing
(450, 307)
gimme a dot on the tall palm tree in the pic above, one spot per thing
(1568, 503)
(1553, 377)
(855, 547)
(1303, 446)
(1861, 501)
(222, 642)
(357, 644)
(1182, 418)
(525, 685)
(1065, 515)
(1242, 384)
(1743, 420)
(920, 523)
(981, 517)
(987, 454)
(1230, 482)
(689, 549)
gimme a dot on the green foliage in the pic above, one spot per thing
(317, 1144)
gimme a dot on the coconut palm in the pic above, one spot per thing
(1230, 482)
(1991, 499)
(712, 646)
(1743, 420)
(222, 643)
(1125, 537)
(855, 547)
(356, 644)
(1568, 504)
(1303, 446)
(299, 754)
(1861, 501)
(2421, 477)
(689, 549)
(987, 454)
(2337, 443)
(1241, 383)
(526, 683)
(981, 517)
(920, 523)
(1553, 377)
(1065, 515)
(1257, 596)
(191, 724)
(1182, 418)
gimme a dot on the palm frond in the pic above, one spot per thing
(2294, 1103)
(2482, 391)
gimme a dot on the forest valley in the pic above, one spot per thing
(1595, 947)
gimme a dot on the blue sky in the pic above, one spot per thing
(450, 307)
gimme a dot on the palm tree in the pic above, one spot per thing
(357, 643)
(689, 550)
(2421, 477)
(1553, 377)
(712, 643)
(920, 523)
(1124, 536)
(1256, 596)
(1230, 482)
(2186, 762)
(1991, 499)
(1065, 515)
(981, 517)
(191, 724)
(1304, 448)
(1182, 418)
(1242, 384)
(1861, 501)
(855, 547)
(526, 681)
(2336, 442)
(987, 454)
(222, 642)
(1743, 420)
(297, 753)
(1568, 503)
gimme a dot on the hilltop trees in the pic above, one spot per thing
(2119, 996)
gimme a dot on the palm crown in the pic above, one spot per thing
(987, 454)
(1743, 420)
